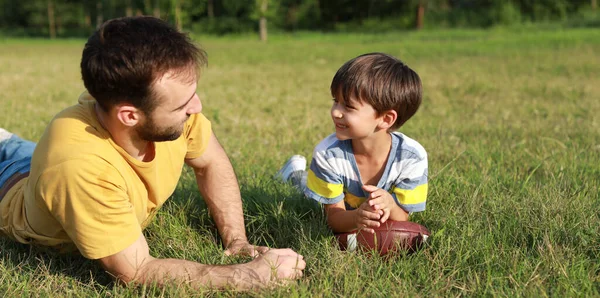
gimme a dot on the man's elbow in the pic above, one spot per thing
(124, 278)
(126, 274)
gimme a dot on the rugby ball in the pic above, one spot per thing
(391, 236)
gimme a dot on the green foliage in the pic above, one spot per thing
(79, 17)
(297, 14)
(507, 14)
(585, 18)
(223, 25)
(191, 9)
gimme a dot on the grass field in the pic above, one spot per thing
(510, 119)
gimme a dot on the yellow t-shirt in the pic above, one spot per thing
(84, 189)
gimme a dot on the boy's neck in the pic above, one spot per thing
(374, 146)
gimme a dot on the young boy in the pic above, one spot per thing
(365, 173)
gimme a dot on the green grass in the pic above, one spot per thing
(510, 120)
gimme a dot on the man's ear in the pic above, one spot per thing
(388, 118)
(128, 115)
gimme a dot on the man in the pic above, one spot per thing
(103, 166)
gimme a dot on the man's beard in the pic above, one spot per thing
(152, 133)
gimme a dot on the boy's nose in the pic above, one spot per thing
(335, 113)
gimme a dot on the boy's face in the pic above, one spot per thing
(354, 119)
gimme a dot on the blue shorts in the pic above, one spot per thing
(15, 157)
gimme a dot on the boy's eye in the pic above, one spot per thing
(349, 106)
(344, 104)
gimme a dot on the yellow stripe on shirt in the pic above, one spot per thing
(417, 195)
(322, 188)
(353, 200)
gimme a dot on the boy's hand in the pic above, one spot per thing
(367, 218)
(380, 200)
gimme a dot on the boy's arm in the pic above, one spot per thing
(341, 220)
(398, 214)
(411, 186)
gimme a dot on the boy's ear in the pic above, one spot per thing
(388, 118)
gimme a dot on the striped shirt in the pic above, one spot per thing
(334, 176)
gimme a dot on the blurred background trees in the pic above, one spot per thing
(66, 18)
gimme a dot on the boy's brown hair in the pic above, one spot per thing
(123, 59)
(382, 81)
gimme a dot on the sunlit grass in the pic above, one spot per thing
(510, 120)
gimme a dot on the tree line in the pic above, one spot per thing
(59, 18)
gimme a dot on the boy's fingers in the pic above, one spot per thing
(370, 215)
(378, 201)
(376, 194)
(371, 224)
(370, 188)
(370, 220)
(385, 216)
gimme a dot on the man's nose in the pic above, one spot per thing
(196, 106)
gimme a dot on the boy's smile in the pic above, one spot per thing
(340, 126)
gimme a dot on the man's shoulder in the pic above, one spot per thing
(70, 132)
(73, 135)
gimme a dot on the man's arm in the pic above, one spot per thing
(219, 187)
(134, 264)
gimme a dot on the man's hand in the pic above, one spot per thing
(367, 218)
(242, 247)
(380, 201)
(278, 265)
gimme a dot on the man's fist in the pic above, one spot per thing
(278, 265)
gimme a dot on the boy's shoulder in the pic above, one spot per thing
(331, 145)
(409, 145)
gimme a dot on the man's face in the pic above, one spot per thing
(177, 101)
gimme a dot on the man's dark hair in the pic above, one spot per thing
(125, 56)
(382, 81)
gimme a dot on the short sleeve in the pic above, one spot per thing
(410, 189)
(323, 183)
(89, 201)
(197, 133)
